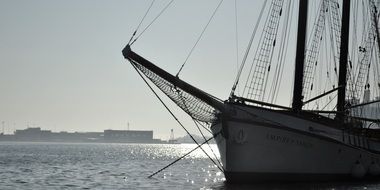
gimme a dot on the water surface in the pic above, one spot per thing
(121, 166)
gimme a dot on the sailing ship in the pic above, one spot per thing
(325, 134)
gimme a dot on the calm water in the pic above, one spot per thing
(120, 166)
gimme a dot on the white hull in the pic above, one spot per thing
(260, 144)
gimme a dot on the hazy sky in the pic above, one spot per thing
(61, 66)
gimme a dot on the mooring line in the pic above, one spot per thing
(178, 159)
(204, 138)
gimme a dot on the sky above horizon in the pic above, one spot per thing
(62, 69)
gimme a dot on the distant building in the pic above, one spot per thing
(4, 137)
(128, 136)
(36, 134)
(118, 136)
(32, 134)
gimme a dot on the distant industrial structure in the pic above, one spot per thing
(111, 136)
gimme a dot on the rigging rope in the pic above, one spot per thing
(247, 50)
(138, 26)
(282, 54)
(204, 138)
(200, 36)
(159, 14)
(172, 114)
(236, 37)
(200, 131)
(313, 50)
(257, 79)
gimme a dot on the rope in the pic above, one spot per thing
(178, 159)
(200, 131)
(282, 57)
(172, 114)
(204, 138)
(236, 37)
(248, 50)
(159, 14)
(200, 36)
(138, 26)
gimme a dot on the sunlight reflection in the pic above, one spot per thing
(171, 151)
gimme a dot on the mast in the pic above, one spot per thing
(376, 24)
(343, 59)
(300, 55)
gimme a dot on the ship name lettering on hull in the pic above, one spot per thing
(288, 140)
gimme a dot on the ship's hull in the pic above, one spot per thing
(259, 145)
